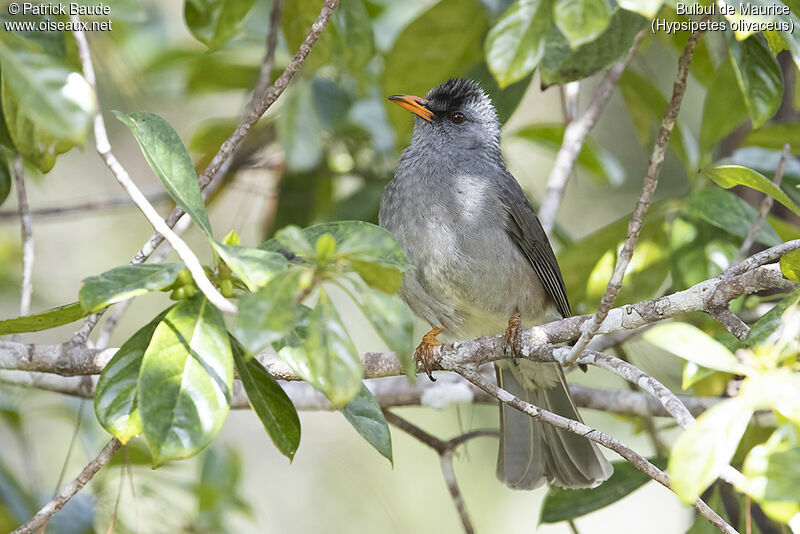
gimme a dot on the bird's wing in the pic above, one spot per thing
(526, 232)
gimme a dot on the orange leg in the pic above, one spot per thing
(511, 338)
(424, 352)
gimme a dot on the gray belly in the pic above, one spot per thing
(468, 276)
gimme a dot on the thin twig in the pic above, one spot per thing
(84, 207)
(124, 179)
(57, 503)
(26, 231)
(766, 206)
(592, 434)
(575, 135)
(646, 197)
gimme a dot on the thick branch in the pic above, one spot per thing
(646, 197)
(575, 135)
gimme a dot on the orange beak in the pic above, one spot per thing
(414, 104)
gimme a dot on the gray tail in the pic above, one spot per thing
(532, 452)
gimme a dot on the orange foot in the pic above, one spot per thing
(511, 338)
(424, 352)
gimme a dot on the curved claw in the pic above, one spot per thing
(424, 352)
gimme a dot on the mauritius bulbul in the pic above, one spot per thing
(482, 264)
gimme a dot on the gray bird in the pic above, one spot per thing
(483, 264)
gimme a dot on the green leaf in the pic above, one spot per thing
(296, 20)
(354, 40)
(706, 447)
(646, 8)
(394, 323)
(413, 66)
(327, 358)
(790, 265)
(299, 129)
(164, 151)
(292, 239)
(562, 64)
(728, 212)
(60, 315)
(126, 281)
(185, 381)
(215, 22)
(692, 344)
(564, 505)
(5, 179)
(516, 43)
(269, 401)
(56, 99)
(592, 158)
(366, 416)
(729, 176)
(386, 279)
(724, 108)
(777, 390)
(270, 313)
(775, 135)
(581, 21)
(254, 266)
(115, 398)
(770, 321)
(771, 473)
(759, 77)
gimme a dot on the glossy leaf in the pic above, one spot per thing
(126, 281)
(254, 266)
(790, 265)
(270, 313)
(770, 321)
(729, 176)
(51, 318)
(269, 401)
(592, 158)
(728, 212)
(759, 77)
(561, 63)
(56, 99)
(564, 505)
(724, 108)
(326, 358)
(394, 323)
(516, 43)
(185, 381)
(164, 151)
(366, 416)
(115, 398)
(706, 447)
(581, 21)
(412, 66)
(692, 344)
(215, 22)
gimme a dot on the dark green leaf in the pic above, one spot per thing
(562, 64)
(254, 266)
(327, 358)
(516, 43)
(169, 159)
(126, 281)
(5, 179)
(366, 416)
(728, 212)
(393, 322)
(728, 176)
(413, 66)
(593, 158)
(57, 100)
(51, 318)
(271, 404)
(185, 381)
(759, 77)
(581, 21)
(770, 321)
(215, 22)
(790, 265)
(115, 398)
(270, 313)
(724, 108)
(564, 505)
(706, 447)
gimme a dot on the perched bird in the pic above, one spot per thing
(482, 264)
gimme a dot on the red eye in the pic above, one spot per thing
(458, 117)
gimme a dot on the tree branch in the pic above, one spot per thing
(646, 197)
(574, 137)
(83, 207)
(104, 149)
